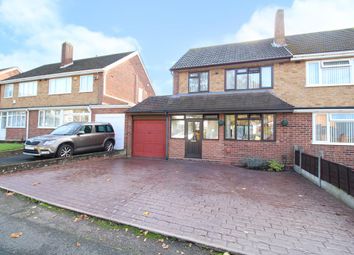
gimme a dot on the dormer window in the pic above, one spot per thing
(330, 72)
(249, 78)
(198, 82)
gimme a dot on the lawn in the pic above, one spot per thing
(10, 146)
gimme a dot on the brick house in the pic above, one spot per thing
(94, 89)
(254, 99)
(8, 72)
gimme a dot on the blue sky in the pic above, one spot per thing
(32, 31)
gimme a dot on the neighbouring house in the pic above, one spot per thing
(254, 99)
(94, 89)
(8, 72)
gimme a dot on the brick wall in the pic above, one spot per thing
(43, 99)
(15, 134)
(289, 84)
(124, 81)
(6, 74)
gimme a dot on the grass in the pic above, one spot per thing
(10, 146)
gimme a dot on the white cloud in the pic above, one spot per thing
(301, 17)
(37, 27)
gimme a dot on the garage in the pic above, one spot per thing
(118, 123)
(149, 138)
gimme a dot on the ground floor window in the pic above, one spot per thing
(211, 127)
(16, 119)
(254, 127)
(54, 118)
(333, 128)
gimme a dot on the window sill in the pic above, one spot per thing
(8, 97)
(47, 127)
(85, 91)
(15, 127)
(327, 143)
(56, 94)
(27, 96)
(328, 85)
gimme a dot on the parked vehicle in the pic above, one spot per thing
(72, 138)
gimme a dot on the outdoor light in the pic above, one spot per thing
(284, 122)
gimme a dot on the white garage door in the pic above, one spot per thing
(118, 123)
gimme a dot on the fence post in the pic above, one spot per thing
(320, 156)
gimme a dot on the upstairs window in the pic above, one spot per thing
(60, 86)
(86, 83)
(249, 78)
(9, 91)
(198, 82)
(27, 89)
(333, 72)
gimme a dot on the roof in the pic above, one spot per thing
(8, 68)
(319, 42)
(78, 65)
(259, 101)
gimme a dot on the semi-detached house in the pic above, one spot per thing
(254, 99)
(94, 89)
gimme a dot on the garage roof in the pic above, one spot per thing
(213, 102)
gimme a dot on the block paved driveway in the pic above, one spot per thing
(239, 210)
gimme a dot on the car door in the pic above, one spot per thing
(100, 135)
(84, 140)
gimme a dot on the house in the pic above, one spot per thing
(93, 89)
(8, 72)
(254, 99)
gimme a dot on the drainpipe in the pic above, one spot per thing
(90, 112)
(167, 135)
(27, 123)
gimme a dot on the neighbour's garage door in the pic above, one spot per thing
(118, 123)
(149, 138)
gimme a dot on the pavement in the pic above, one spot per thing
(239, 210)
(20, 158)
(47, 230)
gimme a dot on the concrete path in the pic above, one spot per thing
(240, 210)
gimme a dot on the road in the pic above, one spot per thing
(53, 231)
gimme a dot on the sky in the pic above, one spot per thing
(32, 31)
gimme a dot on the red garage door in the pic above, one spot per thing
(149, 138)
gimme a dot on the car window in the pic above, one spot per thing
(87, 129)
(67, 129)
(100, 129)
(109, 129)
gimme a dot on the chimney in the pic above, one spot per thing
(279, 30)
(66, 54)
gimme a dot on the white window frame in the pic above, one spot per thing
(328, 142)
(52, 83)
(321, 66)
(12, 90)
(81, 83)
(29, 83)
(61, 122)
(12, 113)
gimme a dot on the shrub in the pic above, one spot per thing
(255, 163)
(276, 166)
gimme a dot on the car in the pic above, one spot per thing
(72, 138)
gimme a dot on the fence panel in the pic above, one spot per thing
(351, 182)
(309, 163)
(297, 158)
(325, 170)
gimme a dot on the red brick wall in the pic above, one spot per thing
(33, 126)
(298, 132)
(16, 134)
(124, 80)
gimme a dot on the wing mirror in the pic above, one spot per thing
(81, 132)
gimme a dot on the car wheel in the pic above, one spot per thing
(65, 150)
(108, 146)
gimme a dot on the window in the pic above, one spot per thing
(334, 72)
(16, 120)
(254, 127)
(100, 129)
(249, 78)
(177, 126)
(86, 83)
(198, 82)
(9, 91)
(333, 128)
(54, 118)
(60, 86)
(211, 127)
(87, 129)
(27, 89)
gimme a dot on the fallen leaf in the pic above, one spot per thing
(81, 217)
(165, 246)
(161, 240)
(109, 179)
(35, 183)
(9, 193)
(244, 188)
(78, 244)
(190, 245)
(145, 239)
(226, 253)
(146, 213)
(16, 235)
(126, 230)
(146, 232)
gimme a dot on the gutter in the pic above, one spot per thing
(333, 54)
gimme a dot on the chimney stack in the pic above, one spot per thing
(66, 54)
(279, 30)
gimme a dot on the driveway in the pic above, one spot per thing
(240, 210)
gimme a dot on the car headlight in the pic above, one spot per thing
(49, 142)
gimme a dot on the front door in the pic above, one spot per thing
(194, 139)
(3, 125)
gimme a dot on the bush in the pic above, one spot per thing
(275, 166)
(255, 163)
